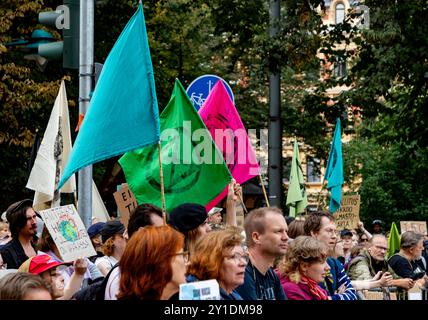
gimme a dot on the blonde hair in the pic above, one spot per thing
(303, 249)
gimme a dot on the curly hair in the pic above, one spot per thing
(146, 264)
(303, 249)
(207, 255)
(108, 246)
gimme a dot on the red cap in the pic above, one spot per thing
(39, 264)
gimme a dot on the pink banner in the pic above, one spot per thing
(225, 126)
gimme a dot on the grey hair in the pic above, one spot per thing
(410, 239)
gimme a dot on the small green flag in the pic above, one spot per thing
(194, 169)
(296, 197)
(393, 241)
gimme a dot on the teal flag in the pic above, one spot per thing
(334, 169)
(394, 241)
(296, 197)
(193, 167)
(123, 112)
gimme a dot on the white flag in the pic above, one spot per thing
(99, 210)
(42, 176)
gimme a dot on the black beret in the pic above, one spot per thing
(111, 228)
(187, 216)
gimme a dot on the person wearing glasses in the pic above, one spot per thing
(220, 255)
(321, 226)
(153, 265)
(23, 227)
(371, 267)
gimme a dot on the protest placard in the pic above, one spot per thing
(415, 226)
(348, 215)
(200, 290)
(68, 232)
(126, 203)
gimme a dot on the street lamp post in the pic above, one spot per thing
(86, 70)
(275, 130)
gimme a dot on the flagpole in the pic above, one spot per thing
(264, 190)
(319, 194)
(242, 203)
(161, 183)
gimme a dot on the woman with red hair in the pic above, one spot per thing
(220, 255)
(153, 265)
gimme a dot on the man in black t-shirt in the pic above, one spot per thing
(266, 233)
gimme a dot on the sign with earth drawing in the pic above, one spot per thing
(68, 232)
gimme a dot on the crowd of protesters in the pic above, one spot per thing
(271, 258)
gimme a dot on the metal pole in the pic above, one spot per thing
(275, 131)
(86, 69)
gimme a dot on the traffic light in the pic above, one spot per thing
(66, 19)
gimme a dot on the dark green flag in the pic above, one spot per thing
(194, 169)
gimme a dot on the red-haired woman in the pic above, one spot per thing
(153, 265)
(220, 255)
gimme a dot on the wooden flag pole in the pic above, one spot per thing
(161, 183)
(319, 195)
(242, 203)
(264, 190)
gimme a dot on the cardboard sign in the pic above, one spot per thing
(126, 203)
(415, 226)
(68, 232)
(200, 290)
(348, 215)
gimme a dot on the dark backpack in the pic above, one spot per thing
(94, 291)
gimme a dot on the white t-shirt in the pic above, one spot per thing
(113, 283)
(106, 261)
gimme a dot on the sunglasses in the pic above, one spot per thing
(364, 240)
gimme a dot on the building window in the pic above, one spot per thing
(340, 13)
(313, 169)
(340, 68)
(286, 169)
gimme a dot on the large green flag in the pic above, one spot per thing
(393, 241)
(194, 169)
(296, 197)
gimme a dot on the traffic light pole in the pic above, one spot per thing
(275, 131)
(86, 70)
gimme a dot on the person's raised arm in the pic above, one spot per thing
(233, 193)
(76, 279)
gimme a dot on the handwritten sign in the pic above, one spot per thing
(348, 215)
(126, 203)
(415, 226)
(68, 232)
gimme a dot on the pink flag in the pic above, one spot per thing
(225, 126)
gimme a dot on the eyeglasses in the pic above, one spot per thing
(364, 240)
(237, 257)
(185, 255)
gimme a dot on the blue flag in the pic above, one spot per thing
(123, 113)
(334, 170)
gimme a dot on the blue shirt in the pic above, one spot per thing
(258, 286)
(336, 279)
